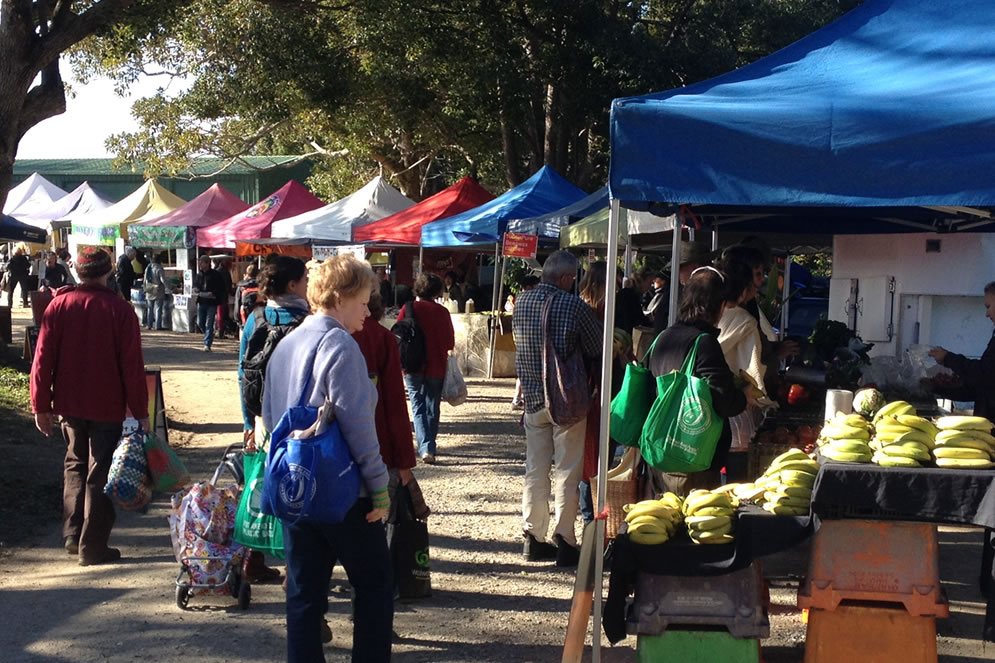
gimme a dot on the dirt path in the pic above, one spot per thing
(487, 605)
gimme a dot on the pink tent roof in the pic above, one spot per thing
(405, 226)
(215, 204)
(254, 223)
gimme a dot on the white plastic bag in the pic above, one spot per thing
(453, 387)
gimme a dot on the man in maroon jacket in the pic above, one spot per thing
(88, 368)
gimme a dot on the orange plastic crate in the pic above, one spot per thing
(869, 633)
(872, 560)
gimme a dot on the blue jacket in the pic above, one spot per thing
(337, 373)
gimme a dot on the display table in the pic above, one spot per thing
(935, 495)
(758, 533)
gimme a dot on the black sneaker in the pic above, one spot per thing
(72, 545)
(566, 554)
(535, 551)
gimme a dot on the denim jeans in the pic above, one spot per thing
(205, 320)
(361, 548)
(157, 309)
(425, 394)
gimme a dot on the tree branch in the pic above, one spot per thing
(43, 101)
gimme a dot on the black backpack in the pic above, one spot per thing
(411, 340)
(258, 350)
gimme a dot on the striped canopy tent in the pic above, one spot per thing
(105, 226)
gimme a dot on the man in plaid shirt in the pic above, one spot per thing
(550, 446)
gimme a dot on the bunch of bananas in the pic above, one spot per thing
(653, 521)
(787, 483)
(708, 515)
(892, 409)
(964, 442)
(903, 440)
(845, 439)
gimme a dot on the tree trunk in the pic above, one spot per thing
(509, 144)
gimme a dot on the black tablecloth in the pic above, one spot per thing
(758, 533)
(928, 494)
(851, 490)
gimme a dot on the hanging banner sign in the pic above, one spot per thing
(517, 245)
(322, 252)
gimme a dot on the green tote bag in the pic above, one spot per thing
(682, 429)
(253, 528)
(633, 401)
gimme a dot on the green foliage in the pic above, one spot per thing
(820, 264)
(516, 270)
(424, 90)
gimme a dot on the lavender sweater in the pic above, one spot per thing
(339, 374)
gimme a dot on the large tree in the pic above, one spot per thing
(426, 90)
(33, 36)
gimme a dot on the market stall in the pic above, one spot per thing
(870, 125)
(336, 222)
(33, 194)
(255, 223)
(103, 227)
(177, 229)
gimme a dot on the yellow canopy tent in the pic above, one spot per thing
(592, 231)
(103, 227)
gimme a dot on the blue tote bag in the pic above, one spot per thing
(310, 477)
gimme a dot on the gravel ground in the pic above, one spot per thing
(487, 604)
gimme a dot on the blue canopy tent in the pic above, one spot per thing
(547, 226)
(544, 192)
(882, 121)
(13, 230)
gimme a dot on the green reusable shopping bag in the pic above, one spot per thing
(682, 429)
(253, 528)
(633, 401)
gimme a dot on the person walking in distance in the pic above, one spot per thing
(155, 293)
(88, 368)
(425, 385)
(19, 268)
(550, 447)
(126, 273)
(209, 285)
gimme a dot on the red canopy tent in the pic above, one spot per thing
(405, 227)
(176, 229)
(254, 223)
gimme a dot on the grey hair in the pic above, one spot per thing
(557, 265)
(131, 251)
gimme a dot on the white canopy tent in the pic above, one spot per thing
(31, 196)
(335, 221)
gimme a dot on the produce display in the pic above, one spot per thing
(868, 401)
(654, 521)
(897, 436)
(708, 515)
(785, 487)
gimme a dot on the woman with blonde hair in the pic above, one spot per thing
(320, 363)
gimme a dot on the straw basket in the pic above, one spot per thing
(622, 489)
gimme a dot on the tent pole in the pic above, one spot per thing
(495, 321)
(604, 461)
(675, 267)
(421, 258)
(785, 296)
(715, 239)
(498, 324)
(628, 257)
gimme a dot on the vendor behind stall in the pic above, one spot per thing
(977, 375)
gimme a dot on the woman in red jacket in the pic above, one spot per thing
(425, 386)
(383, 361)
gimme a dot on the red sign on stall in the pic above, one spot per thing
(517, 245)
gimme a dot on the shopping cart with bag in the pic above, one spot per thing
(201, 526)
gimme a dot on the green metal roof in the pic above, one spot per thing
(89, 167)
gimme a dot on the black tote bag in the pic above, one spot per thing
(409, 550)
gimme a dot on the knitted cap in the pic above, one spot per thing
(92, 262)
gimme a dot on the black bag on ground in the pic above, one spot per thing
(407, 538)
(412, 341)
(258, 350)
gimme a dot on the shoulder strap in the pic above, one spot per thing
(409, 311)
(688, 367)
(649, 353)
